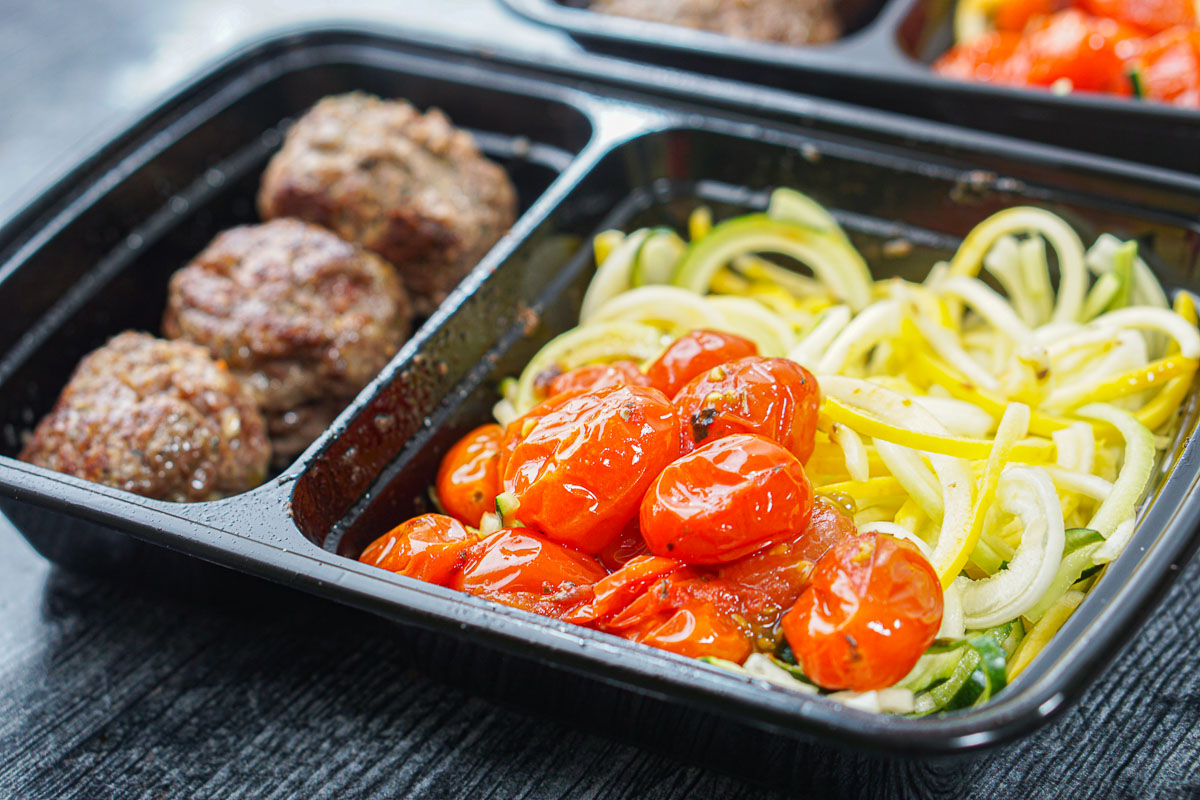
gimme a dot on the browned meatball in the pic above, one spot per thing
(407, 185)
(786, 21)
(304, 318)
(160, 419)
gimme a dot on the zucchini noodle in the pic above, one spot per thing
(1008, 435)
(1073, 275)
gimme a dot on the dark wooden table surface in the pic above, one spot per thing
(115, 690)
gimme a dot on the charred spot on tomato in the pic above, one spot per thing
(631, 412)
(567, 590)
(702, 420)
(671, 546)
(855, 655)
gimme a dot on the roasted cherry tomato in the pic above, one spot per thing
(872, 607)
(726, 500)
(771, 397)
(1170, 67)
(688, 614)
(1090, 53)
(613, 593)
(694, 353)
(1151, 16)
(520, 568)
(431, 547)
(626, 547)
(598, 376)
(580, 471)
(469, 477)
(1073, 46)
(779, 572)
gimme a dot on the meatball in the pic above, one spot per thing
(406, 185)
(157, 418)
(304, 318)
(786, 21)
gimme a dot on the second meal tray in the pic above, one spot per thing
(884, 61)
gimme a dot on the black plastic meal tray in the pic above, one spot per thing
(92, 257)
(884, 62)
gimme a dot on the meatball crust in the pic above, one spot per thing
(157, 418)
(407, 185)
(302, 317)
(786, 21)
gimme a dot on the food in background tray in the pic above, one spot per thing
(1132, 48)
(406, 185)
(304, 318)
(786, 21)
(158, 418)
(909, 541)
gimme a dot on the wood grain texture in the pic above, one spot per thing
(117, 691)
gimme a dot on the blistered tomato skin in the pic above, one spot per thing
(584, 462)
(516, 430)
(599, 376)
(520, 568)
(431, 547)
(874, 604)
(468, 479)
(771, 397)
(695, 353)
(780, 572)
(616, 591)
(685, 613)
(726, 500)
